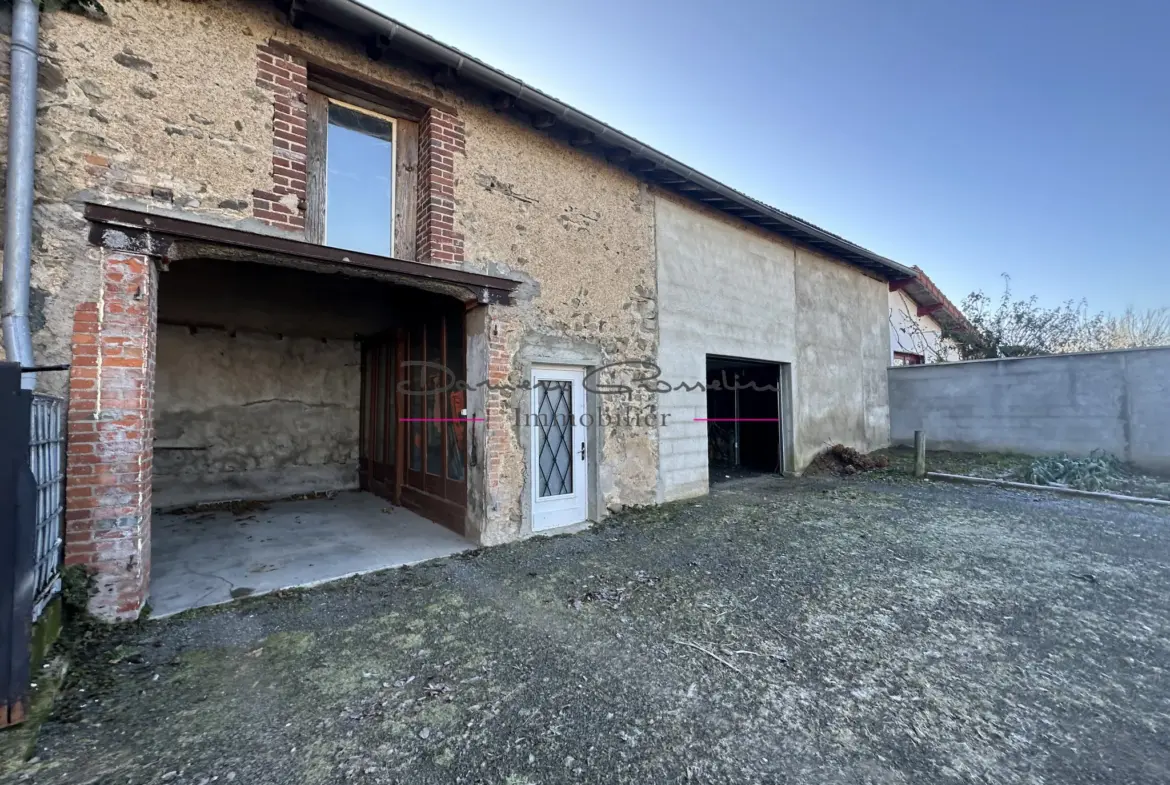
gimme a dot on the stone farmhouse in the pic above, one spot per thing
(302, 254)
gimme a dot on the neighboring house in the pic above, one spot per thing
(260, 232)
(920, 315)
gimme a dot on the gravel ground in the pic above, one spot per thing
(853, 630)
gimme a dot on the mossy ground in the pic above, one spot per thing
(806, 631)
(1009, 466)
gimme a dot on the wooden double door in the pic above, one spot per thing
(414, 418)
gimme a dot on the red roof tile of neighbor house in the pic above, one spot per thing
(931, 301)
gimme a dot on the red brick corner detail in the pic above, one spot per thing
(287, 78)
(440, 138)
(110, 436)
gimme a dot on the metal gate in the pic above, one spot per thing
(32, 494)
(47, 460)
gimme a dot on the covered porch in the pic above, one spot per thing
(309, 414)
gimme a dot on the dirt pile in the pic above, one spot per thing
(843, 461)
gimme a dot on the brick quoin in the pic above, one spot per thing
(499, 419)
(440, 138)
(287, 78)
(111, 432)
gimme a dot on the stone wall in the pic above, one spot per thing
(249, 415)
(258, 378)
(581, 233)
(165, 104)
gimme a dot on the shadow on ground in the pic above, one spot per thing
(815, 631)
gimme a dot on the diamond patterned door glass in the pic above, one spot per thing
(555, 424)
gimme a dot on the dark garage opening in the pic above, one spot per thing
(743, 418)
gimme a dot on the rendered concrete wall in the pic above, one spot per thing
(253, 415)
(842, 340)
(727, 289)
(1115, 401)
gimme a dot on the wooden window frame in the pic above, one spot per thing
(403, 117)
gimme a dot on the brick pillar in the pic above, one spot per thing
(287, 78)
(440, 137)
(496, 411)
(504, 462)
(111, 430)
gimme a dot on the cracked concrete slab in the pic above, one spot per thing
(209, 557)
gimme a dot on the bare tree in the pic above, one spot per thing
(913, 338)
(1135, 329)
(1005, 327)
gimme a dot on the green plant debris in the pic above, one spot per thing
(1098, 472)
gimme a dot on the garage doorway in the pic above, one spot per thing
(745, 426)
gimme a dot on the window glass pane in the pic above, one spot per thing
(359, 181)
(416, 401)
(435, 381)
(456, 431)
(378, 421)
(554, 409)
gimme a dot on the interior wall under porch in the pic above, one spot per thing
(258, 380)
(247, 415)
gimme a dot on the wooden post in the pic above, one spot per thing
(920, 454)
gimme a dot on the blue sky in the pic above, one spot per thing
(969, 137)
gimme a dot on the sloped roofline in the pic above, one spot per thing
(513, 96)
(929, 298)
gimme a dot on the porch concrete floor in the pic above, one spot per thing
(213, 556)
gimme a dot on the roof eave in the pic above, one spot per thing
(388, 32)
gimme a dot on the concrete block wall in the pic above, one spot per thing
(1116, 401)
(725, 289)
(721, 291)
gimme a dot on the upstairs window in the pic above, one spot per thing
(359, 180)
(362, 190)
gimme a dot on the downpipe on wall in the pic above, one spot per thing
(22, 119)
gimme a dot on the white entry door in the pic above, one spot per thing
(559, 446)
